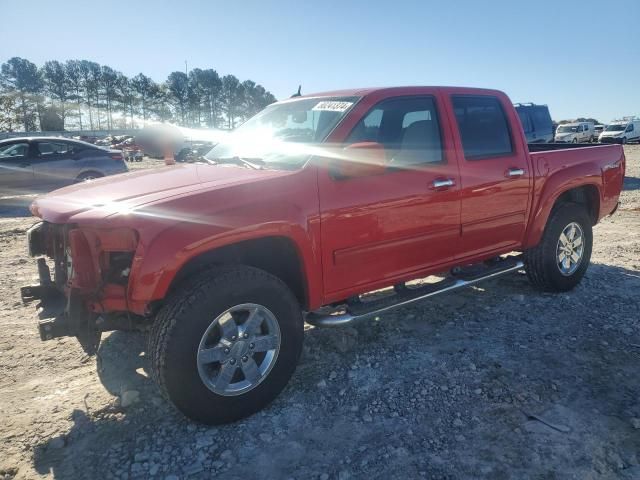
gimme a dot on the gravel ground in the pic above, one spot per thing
(495, 382)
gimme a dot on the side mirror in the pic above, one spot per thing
(362, 159)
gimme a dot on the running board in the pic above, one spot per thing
(362, 310)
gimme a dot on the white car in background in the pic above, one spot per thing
(621, 131)
(582, 132)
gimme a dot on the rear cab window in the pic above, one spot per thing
(483, 126)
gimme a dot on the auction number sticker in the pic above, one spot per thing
(332, 106)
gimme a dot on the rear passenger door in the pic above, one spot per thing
(495, 177)
(53, 164)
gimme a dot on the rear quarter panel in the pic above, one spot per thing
(562, 170)
(101, 163)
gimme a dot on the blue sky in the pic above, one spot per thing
(581, 57)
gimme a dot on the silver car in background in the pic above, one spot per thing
(41, 164)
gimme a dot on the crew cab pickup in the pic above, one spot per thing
(299, 215)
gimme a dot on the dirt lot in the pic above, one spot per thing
(495, 382)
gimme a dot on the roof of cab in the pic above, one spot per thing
(361, 92)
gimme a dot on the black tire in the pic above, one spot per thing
(86, 176)
(541, 262)
(179, 326)
(575, 140)
(624, 140)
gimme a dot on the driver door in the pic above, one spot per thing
(382, 228)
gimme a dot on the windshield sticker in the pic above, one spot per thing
(332, 106)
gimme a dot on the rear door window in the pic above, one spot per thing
(483, 126)
(50, 149)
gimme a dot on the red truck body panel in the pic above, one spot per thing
(351, 235)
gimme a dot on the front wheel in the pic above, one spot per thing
(225, 344)
(560, 260)
(575, 140)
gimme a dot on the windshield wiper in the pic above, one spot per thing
(255, 163)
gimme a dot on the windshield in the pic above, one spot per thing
(616, 128)
(283, 132)
(567, 128)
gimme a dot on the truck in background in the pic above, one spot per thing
(536, 122)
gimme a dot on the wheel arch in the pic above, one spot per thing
(568, 186)
(277, 255)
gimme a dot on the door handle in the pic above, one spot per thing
(515, 172)
(442, 183)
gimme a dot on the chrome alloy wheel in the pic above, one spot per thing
(570, 249)
(239, 349)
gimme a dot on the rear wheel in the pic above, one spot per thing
(225, 344)
(560, 260)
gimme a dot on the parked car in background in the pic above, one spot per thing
(127, 143)
(581, 132)
(621, 131)
(536, 122)
(598, 129)
(40, 164)
(132, 154)
(105, 141)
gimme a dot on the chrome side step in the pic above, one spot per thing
(386, 304)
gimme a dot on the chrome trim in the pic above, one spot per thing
(443, 183)
(328, 320)
(515, 172)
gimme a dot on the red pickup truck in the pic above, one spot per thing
(298, 215)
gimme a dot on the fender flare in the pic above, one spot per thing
(157, 266)
(558, 183)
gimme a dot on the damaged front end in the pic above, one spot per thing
(88, 292)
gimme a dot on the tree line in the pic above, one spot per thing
(81, 94)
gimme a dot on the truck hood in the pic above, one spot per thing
(120, 193)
